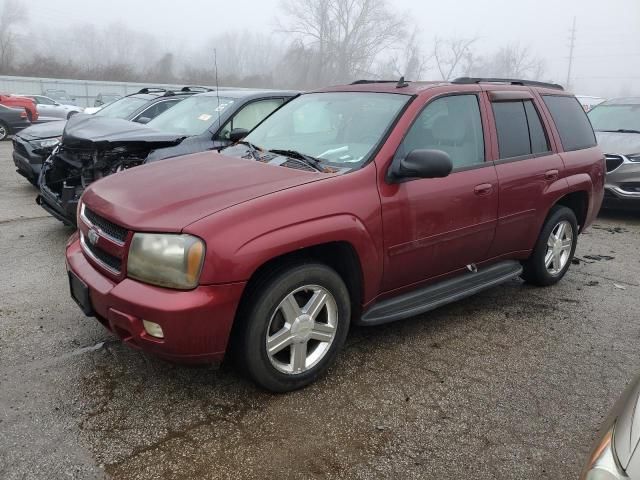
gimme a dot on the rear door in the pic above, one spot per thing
(435, 226)
(530, 171)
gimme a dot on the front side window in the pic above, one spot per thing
(158, 108)
(571, 121)
(193, 116)
(338, 128)
(451, 124)
(122, 108)
(250, 115)
(615, 118)
(520, 130)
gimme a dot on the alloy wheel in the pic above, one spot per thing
(559, 247)
(3, 132)
(302, 329)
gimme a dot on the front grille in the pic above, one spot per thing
(613, 162)
(109, 260)
(19, 148)
(110, 228)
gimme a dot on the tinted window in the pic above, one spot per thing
(122, 108)
(571, 121)
(513, 129)
(451, 124)
(156, 109)
(539, 142)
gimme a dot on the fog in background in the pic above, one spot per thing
(310, 43)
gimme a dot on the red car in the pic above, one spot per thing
(366, 204)
(20, 102)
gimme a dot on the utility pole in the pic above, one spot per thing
(572, 46)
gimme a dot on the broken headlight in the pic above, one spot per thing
(47, 143)
(166, 260)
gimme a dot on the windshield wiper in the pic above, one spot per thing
(621, 130)
(252, 149)
(308, 159)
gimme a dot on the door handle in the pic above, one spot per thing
(551, 175)
(483, 189)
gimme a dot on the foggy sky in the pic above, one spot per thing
(607, 54)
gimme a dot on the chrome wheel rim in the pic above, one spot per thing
(302, 329)
(3, 132)
(559, 247)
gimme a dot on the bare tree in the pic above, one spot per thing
(13, 14)
(409, 62)
(451, 54)
(345, 36)
(511, 61)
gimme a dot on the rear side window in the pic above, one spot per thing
(520, 131)
(571, 121)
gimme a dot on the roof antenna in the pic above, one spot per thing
(401, 83)
(215, 64)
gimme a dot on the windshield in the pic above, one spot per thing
(192, 116)
(615, 117)
(339, 128)
(122, 108)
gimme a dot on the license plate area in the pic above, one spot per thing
(80, 293)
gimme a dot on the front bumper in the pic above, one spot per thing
(27, 162)
(196, 323)
(622, 187)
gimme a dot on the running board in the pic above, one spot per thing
(433, 296)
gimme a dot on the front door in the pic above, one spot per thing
(437, 226)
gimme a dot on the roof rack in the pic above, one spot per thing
(152, 90)
(511, 81)
(195, 88)
(364, 82)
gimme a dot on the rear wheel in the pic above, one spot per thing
(4, 131)
(554, 250)
(295, 323)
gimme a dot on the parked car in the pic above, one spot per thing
(60, 96)
(49, 109)
(105, 98)
(94, 147)
(615, 455)
(34, 145)
(12, 120)
(617, 126)
(20, 102)
(367, 204)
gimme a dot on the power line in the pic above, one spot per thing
(571, 49)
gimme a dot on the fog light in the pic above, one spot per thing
(153, 329)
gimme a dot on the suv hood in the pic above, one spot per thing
(168, 196)
(87, 130)
(43, 130)
(619, 143)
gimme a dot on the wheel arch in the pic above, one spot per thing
(578, 202)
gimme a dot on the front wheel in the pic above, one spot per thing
(295, 322)
(554, 248)
(4, 131)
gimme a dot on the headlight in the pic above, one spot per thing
(167, 260)
(46, 143)
(634, 158)
(603, 464)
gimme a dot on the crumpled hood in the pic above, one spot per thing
(43, 130)
(83, 130)
(619, 143)
(168, 196)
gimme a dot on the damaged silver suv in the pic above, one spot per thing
(617, 126)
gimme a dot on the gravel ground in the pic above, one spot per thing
(512, 383)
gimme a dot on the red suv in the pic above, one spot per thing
(366, 204)
(21, 102)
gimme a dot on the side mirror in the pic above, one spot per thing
(143, 120)
(238, 134)
(422, 164)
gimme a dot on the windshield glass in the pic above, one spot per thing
(340, 128)
(122, 108)
(615, 117)
(192, 116)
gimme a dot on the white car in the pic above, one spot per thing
(49, 109)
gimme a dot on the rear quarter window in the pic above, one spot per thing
(571, 121)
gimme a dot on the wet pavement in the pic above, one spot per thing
(512, 383)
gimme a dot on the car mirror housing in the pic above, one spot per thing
(238, 134)
(421, 164)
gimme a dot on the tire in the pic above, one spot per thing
(29, 116)
(551, 258)
(4, 131)
(270, 315)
